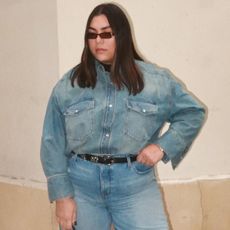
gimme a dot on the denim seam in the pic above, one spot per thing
(57, 175)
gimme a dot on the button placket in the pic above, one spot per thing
(108, 117)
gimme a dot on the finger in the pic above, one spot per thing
(74, 225)
(139, 157)
(74, 219)
(74, 214)
(66, 224)
(69, 225)
(142, 161)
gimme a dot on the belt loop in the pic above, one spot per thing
(129, 161)
(74, 155)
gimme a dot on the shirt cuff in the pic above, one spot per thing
(165, 158)
(59, 186)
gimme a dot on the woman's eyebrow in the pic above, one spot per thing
(103, 28)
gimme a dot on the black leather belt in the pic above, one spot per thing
(106, 159)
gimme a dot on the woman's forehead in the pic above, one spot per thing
(99, 22)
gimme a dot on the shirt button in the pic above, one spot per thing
(107, 134)
(110, 105)
(76, 111)
(143, 110)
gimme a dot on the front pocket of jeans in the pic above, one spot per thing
(79, 166)
(79, 120)
(81, 173)
(139, 123)
(140, 168)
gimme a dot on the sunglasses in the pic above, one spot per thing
(103, 35)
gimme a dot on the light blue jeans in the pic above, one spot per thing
(123, 194)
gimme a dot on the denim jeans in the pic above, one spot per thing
(123, 194)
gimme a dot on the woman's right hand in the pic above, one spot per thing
(66, 210)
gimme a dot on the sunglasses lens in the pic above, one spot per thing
(105, 35)
(91, 35)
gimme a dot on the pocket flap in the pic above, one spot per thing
(144, 108)
(79, 107)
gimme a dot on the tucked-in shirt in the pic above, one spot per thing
(105, 120)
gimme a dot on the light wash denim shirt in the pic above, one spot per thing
(105, 120)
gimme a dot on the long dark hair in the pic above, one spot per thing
(124, 72)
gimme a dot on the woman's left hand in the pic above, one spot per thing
(150, 155)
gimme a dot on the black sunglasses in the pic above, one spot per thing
(103, 35)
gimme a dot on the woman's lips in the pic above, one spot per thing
(100, 50)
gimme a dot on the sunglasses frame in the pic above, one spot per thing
(103, 35)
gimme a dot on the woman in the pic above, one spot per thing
(101, 136)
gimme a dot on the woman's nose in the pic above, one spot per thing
(99, 39)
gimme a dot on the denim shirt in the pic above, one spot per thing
(105, 120)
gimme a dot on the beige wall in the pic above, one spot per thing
(40, 40)
(200, 205)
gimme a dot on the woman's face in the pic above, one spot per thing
(103, 49)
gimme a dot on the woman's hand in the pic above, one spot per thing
(150, 155)
(66, 212)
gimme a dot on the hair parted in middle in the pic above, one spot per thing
(124, 71)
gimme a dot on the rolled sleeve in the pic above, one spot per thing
(54, 153)
(59, 186)
(186, 119)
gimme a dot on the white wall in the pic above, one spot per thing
(191, 38)
(29, 69)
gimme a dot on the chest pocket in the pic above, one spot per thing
(140, 119)
(79, 120)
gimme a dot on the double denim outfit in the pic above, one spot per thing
(105, 120)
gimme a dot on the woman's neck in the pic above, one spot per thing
(107, 67)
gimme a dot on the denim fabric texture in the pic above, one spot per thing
(105, 120)
(125, 194)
